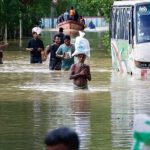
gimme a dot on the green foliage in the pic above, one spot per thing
(34, 10)
(86, 7)
(106, 41)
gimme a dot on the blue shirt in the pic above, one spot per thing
(66, 16)
(62, 50)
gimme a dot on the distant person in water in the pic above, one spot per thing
(62, 138)
(61, 34)
(3, 45)
(91, 25)
(82, 21)
(80, 72)
(35, 47)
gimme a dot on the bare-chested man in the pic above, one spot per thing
(80, 73)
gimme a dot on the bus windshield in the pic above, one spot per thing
(143, 23)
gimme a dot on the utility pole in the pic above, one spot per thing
(20, 24)
(23, 3)
(52, 15)
(5, 27)
(53, 3)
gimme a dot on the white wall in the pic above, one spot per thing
(98, 22)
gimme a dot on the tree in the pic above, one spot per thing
(33, 10)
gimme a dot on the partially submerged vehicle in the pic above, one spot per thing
(130, 37)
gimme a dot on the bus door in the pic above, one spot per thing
(121, 37)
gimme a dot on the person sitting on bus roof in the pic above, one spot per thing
(60, 18)
(66, 15)
(76, 16)
(91, 25)
(71, 13)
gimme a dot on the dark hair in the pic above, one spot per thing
(34, 33)
(56, 35)
(61, 29)
(67, 37)
(63, 135)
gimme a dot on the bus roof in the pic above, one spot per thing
(129, 2)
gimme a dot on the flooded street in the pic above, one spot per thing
(34, 99)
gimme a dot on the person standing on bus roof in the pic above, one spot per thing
(71, 13)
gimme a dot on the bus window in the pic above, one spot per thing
(120, 18)
(113, 23)
(118, 25)
(143, 23)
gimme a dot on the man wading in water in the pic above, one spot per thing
(80, 72)
(35, 46)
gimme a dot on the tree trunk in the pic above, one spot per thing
(5, 34)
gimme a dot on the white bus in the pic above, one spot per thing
(130, 37)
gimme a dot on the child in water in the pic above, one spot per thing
(80, 72)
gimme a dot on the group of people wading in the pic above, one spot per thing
(61, 57)
(62, 53)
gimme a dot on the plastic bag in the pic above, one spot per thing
(141, 132)
(81, 45)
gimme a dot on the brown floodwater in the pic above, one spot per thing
(34, 99)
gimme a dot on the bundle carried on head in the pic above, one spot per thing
(82, 45)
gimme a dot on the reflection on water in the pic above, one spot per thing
(82, 118)
(34, 99)
(129, 96)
